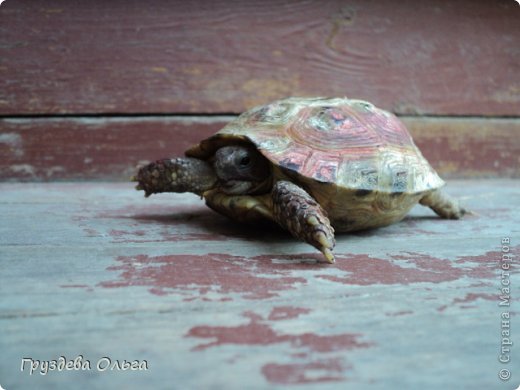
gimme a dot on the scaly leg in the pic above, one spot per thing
(298, 212)
(176, 175)
(443, 205)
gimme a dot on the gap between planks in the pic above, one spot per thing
(218, 116)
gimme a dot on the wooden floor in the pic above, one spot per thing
(95, 272)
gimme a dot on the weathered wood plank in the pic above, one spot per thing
(450, 57)
(469, 147)
(110, 148)
(96, 270)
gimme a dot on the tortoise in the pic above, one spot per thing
(313, 165)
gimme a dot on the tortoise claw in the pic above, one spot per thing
(326, 246)
(298, 212)
(329, 256)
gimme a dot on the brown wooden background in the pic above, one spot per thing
(90, 88)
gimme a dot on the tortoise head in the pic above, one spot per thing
(242, 170)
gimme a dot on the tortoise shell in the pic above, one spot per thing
(349, 143)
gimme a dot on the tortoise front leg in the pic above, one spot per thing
(176, 175)
(298, 212)
(443, 205)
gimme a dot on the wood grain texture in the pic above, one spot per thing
(96, 269)
(55, 149)
(110, 148)
(469, 147)
(450, 57)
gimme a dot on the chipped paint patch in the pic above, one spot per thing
(24, 170)
(468, 298)
(212, 275)
(13, 142)
(472, 297)
(411, 268)
(327, 370)
(259, 332)
(286, 312)
(399, 313)
(216, 275)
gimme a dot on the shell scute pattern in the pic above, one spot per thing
(350, 143)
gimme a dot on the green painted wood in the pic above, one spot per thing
(97, 270)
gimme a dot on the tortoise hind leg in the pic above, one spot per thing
(443, 205)
(298, 212)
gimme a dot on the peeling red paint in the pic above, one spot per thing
(472, 297)
(367, 270)
(287, 312)
(480, 284)
(469, 297)
(399, 313)
(330, 370)
(259, 332)
(200, 275)
(483, 266)
(266, 276)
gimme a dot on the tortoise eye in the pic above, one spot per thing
(244, 161)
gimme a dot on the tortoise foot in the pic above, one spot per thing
(298, 212)
(444, 206)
